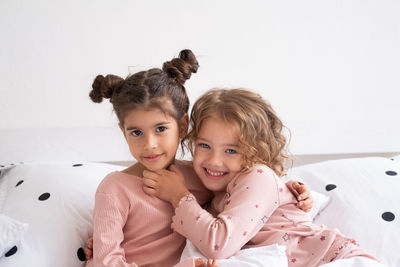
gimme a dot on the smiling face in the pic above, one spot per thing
(217, 158)
(153, 137)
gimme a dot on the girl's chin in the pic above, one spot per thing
(156, 166)
(215, 190)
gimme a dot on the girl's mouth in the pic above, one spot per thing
(153, 158)
(214, 175)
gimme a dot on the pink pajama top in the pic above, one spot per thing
(257, 209)
(132, 228)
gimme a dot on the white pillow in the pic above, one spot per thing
(364, 202)
(273, 255)
(3, 187)
(320, 201)
(396, 158)
(11, 232)
(56, 199)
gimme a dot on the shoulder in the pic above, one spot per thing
(258, 176)
(259, 172)
(263, 170)
(117, 182)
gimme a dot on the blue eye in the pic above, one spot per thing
(203, 145)
(161, 129)
(230, 151)
(136, 133)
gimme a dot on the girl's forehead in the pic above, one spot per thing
(227, 123)
(162, 104)
(141, 117)
(215, 125)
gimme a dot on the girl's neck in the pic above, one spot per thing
(137, 169)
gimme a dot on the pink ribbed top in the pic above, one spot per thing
(134, 229)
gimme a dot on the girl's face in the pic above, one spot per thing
(153, 137)
(217, 158)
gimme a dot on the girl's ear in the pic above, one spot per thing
(122, 129)
(183, 126)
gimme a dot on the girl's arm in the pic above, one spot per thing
(249, 201)
(244, 209)
(170, 186)
(109, 219)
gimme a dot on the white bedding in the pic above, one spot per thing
(266, 256)
(55, 201)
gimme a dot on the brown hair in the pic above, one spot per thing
(260, 129)
(153, 88)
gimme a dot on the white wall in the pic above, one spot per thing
(330, 68)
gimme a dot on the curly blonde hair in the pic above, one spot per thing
(260, 129)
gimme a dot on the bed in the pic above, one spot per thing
(46, 204)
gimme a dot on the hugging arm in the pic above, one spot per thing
(169, 185)
(244, 210)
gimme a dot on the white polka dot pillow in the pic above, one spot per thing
(11, 232)
(55, 201)
(364, 201)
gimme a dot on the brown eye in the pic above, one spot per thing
(161, 129)
(136, 133)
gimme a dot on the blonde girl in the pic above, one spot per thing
(239, 154)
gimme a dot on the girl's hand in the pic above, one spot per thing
(303, 196)
(89, 248)
(199, 262)
(168, 185)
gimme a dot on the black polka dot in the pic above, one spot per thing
(44, 196)
(1, 166)
(20, 182)
(391, 173)
(330, 187)
(388, 216)
(77, 165)
(11, 252)
(81, 254)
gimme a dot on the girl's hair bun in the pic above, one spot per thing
(181, 68)
(104, 87)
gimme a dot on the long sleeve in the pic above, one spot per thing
(109, 219)
(132, 228)
(240, 213)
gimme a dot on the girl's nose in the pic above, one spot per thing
(151, 142)
(215, 159)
